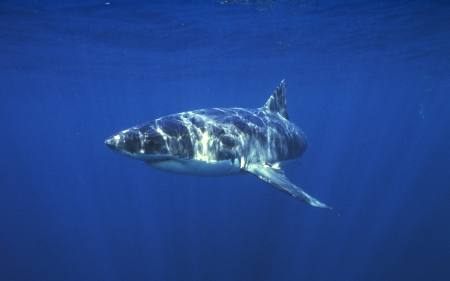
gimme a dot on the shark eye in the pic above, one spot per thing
(151, 143)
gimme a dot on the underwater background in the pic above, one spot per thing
(367, 81)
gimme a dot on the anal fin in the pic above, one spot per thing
(276, 178)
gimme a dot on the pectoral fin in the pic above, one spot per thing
(276, 178)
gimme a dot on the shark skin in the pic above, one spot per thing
(222, 142)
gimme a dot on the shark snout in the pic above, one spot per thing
(125, 143)
(113, 142)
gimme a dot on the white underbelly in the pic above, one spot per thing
(200, 168)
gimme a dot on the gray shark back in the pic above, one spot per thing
(220, 134)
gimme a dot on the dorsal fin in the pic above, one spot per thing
(277, 101)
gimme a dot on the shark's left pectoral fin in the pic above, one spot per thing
(276, 178)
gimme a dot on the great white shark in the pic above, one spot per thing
(222, 142)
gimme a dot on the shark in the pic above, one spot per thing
(222, 142)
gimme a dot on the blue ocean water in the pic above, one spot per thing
(368, 82)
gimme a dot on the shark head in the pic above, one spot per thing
(137, 145)
(166, 144)
(155, 141)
